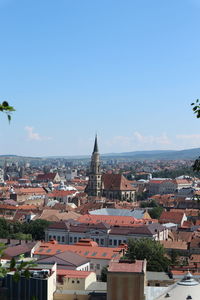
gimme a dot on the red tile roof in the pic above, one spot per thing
(174, 217)
(116, 182)
(46, 177)
(111, 220)
(61, 193)
(73, 273)
(36, 190)
(128, 267)
(19, 207)
(49, 249)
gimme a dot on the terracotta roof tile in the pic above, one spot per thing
(136, 267)
(48, 249)
(174, 217)
(116, 182)
(111, 220)
(73, 273)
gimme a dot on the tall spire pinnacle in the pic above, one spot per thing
(96, 149)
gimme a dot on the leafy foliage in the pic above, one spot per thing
(166, 173)
(151, 203)
(26, 231)
(155, 212)
(6, 108)
(142, 196)
(196, 108)
(104, 273)
(174, 257)
(150, 250)
(196, 165)
(36, 228)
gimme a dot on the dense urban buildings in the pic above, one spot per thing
(77, 220)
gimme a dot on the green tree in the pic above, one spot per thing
(2, 269)
(6, 108)
(36, 229)
(174, 257)
(151, 203)
(104, 273)
(150, 250)
(196, 110)
(155, 212)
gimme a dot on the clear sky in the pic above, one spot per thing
(126, 69)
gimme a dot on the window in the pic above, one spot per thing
(63, 239)
(70, 239)
(72, 281)
(157, 284)
(49, 237)
(91, 266)
(78, 281)
(110, 242)
(75, 239)
(58, 238)
(119, 242)
(115, 242)
(102, 241)
(97, 240)
(98, 266)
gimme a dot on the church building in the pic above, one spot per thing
(111, 186)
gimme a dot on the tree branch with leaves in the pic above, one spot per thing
(6, 108)
(196, 110)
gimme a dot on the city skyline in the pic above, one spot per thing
(127, 71)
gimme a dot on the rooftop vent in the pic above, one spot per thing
(189, 297)
(167, 295)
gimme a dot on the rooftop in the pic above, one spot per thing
(139, 266)
(49, 249)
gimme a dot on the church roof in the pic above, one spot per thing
(116, 182)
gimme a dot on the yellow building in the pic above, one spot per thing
(74, 284)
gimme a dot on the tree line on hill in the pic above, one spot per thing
(166, 173)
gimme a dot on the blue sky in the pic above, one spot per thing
(127, 70)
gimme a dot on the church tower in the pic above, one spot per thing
(94, 184)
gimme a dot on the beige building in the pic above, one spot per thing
(78, 285)
(126, 280)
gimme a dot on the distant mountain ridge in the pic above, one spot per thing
(134, 155)
(159, 154)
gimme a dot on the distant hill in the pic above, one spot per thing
(144, 155)
(134, 155)
(158, 154)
